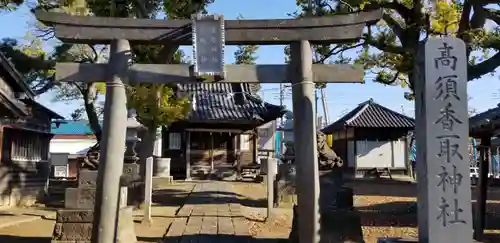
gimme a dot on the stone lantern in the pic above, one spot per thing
(131, 177)
(132, 138)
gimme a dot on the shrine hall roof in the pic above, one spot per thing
(16, 102)
(486, 122)
(371, 115)
(227, 102)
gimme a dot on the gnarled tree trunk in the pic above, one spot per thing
(89, 95)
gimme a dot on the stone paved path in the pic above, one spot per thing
(211, 214)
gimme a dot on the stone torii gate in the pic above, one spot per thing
(119, 32)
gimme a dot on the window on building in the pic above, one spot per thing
(244, 142)
(174, 140)
(29, 147)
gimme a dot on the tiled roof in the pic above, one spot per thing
(72, 128)
(483, 119)
(16, 76)
(211, 102)
(17, 82)
(214, 102)
(371, 115)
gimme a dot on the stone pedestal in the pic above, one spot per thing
(74, 223)
(339, 221)
(161, 169)
(341, 226)
(285, 183)
(83, 197)
(333, 195)
(131, 178)
(336, 226)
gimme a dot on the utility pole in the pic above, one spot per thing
(316, 104)
(325, 107)
(282, 98)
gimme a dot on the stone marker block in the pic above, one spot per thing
(87, 179)
(434, 135)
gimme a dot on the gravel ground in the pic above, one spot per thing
(387, 209)
(166, 198)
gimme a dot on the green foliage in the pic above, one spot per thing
(10, 5)
(247, 54)
(327, 54)
(388, 48)
(183, 9)
(391, 45)
(38, 66)
(157, 104)
(32, 61)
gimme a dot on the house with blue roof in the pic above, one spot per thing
(73, 137)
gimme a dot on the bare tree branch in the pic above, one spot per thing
(394, 25)
(478, 70)
(96, 55)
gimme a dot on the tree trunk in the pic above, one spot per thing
(90, 109)
(146, 148)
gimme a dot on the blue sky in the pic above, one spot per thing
(341, 98)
